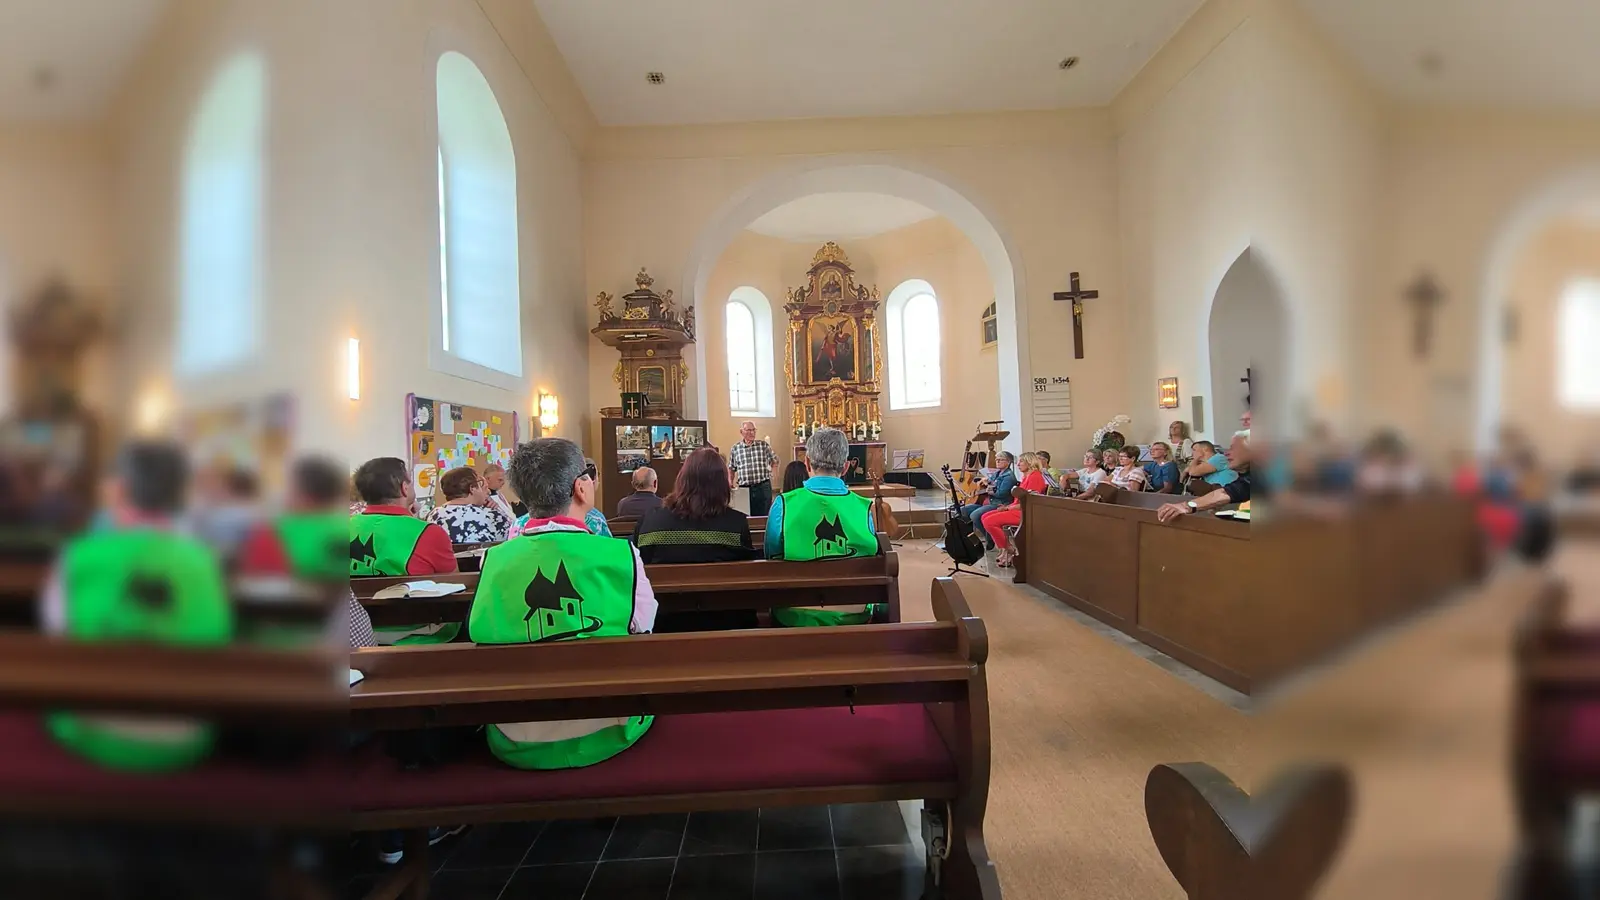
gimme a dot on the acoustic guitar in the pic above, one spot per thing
(882, 517)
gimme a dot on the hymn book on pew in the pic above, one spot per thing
(418, 589)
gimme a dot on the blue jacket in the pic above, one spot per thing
(1004, 483)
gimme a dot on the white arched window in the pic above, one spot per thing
(219, 246)
(748, 337)
(1578, 376)
(479, 321)
(912, 311)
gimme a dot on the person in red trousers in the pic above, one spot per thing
(1032, 480)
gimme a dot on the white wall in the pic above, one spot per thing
(1269, 143)
(351, 206)
(1247, 330)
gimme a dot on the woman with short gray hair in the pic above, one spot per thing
(823, 519)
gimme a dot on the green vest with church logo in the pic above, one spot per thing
(556, 586)
(315, 544)
(141, 585)
(382, 545)
(825, 526)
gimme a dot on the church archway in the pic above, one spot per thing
(1538, 209)
(933, 190)
(1248, 334)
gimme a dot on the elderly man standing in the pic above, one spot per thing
(557, 581)
(644, 497)
(754, 465)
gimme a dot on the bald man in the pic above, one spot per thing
(644, 497)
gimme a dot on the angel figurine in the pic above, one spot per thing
(603, 303)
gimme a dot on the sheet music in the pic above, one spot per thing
(1052, 403)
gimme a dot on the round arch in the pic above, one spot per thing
(1250, 253)
(906, 181)
(1535, 210)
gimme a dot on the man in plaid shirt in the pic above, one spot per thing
(753, 466)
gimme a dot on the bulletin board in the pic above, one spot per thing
(441, 436)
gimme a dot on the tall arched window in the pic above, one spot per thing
(1578, 378)
(912, 311)
(479, 319)
(219, 269)
(748, 338)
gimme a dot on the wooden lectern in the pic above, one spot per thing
(966, 480)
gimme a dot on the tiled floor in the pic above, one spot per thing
(805, 853)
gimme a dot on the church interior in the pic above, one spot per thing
(1349, 247)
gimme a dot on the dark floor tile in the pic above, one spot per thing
(488, 846)
(795, 828)
(881, 873)
(469, 884)
(631, 879)
(566, 882)
(647, 837)
(797, 875)
(721, 877)
(868, 825)
(577, 840)
(721, 832)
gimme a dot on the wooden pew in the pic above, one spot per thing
(1223, 844)
(624, 526)
(689, 588)
(1555, 736)
(1243, 604)
(302, 692)
(746, 719)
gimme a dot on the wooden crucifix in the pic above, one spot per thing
(1076, 296)
(1249, 385)
(1425, 296)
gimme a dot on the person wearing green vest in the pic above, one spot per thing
(308, 541)
(386, 539)
(138, 579)
(823, 519)
(557, 581)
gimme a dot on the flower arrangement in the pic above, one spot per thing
(1108, 437)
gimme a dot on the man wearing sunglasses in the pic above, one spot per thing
(558, 581)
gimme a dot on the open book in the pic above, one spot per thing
(418, 589)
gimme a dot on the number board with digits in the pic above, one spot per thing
(1052, 403)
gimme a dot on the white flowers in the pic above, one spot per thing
(1116, 423)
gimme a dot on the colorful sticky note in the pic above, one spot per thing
(495, 419)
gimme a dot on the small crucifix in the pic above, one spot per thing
(1249, 385)
(1425, 296)
(1076, 296)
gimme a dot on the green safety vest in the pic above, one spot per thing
(382, 545)
(141, 585)
(825, 526)
(556, 586)
(316, 544)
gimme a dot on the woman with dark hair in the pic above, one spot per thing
(695, 523)
(794, 476)
(466, 513)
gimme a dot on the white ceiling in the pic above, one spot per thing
(1505, 53)
(750, 60)
(839, 217)
(87, 44)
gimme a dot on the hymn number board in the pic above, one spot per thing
(1052, 403)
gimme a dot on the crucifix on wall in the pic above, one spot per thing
(1249, 385)
(1076, 296)
(1425, 296)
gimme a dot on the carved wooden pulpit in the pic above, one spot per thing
(650, 335)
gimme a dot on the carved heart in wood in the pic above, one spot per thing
(1219, 842)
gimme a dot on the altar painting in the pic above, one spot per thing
(832, 349)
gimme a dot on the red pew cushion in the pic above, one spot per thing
(1572, 751)
(699, 753)
(33, 765)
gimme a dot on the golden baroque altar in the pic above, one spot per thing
(833, 364)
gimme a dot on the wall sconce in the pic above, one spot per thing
(352, 372)
(1167, 391)
(549, 412)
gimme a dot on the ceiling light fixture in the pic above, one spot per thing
(44, 78)
(1069, 62)
(655, 78)
(1431, 63)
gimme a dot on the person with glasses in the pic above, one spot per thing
(558, 581)
(594, 519)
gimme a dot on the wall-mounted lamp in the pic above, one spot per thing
(1167, 391)
(352, 372)
(549, 412)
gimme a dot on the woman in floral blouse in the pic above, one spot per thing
(466, 513)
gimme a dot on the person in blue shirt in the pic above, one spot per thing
(1161, 472)
(1211, 465)
(1001, 486)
